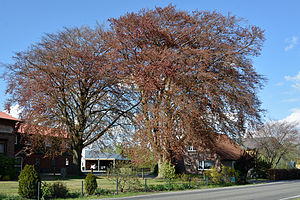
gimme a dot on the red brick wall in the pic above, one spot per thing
(8, 138)
(46, 165)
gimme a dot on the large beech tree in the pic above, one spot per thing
(194, 75)
(67, 82)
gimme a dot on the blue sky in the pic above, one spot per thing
(25, 22)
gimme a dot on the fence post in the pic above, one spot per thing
(81, 188)
(117, 192)
(189, 181)
(145, 185)
(169, 184)
(39, 188)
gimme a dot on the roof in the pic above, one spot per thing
(227, 149)
(42, 130)
(256, 142)
(92, 154)
(3, 115)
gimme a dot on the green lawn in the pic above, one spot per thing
(10, 188)
(74, 185)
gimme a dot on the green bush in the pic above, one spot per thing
(58, 190)
(158, 187)
(45, 190)
(167, 170)
(74, 195)
(182, 177)
(261, 168)
(7, 169)
(214, 174)
(128, 179)
(90, 184)
(221, 176)
(28, 182)
(11, 197)
(100, 191)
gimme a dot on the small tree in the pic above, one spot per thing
(28, 182)
(167, 170)
(90, 183)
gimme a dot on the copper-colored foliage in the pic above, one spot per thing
(67, 82)
(194, 75)
(189, 75)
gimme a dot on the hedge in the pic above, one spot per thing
(283, 174)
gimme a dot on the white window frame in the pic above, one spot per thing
(67, 162)
(201, 164)
(191, 149)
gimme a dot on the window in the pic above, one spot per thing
(19, 163)
(191, 148)
(205, 164)
(67, 161)
(2, 148)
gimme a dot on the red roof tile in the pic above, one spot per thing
(3, 115)
(227, 149)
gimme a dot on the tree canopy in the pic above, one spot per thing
(67, 81)
(277, 141)
(194, 75)
(181, 76)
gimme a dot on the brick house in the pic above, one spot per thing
(225, 152)
(43, 162)
(8, 127)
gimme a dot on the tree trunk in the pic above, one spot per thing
(160, 173)
(76, 165)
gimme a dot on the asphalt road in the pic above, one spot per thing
(283, 190)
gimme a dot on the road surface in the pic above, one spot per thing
(283, 190)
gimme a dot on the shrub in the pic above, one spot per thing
(167, 170)
(242, 165)
(7, 169)
(180, 186)
(261, 168)
(28, 182)
(45, 190)
(100, 191)
(223, 176)
(214, 174)
(58, 190)
(73, 195)
(183, 177)
(128, 179)
(158, 187)
(90, 184)
(283, 174)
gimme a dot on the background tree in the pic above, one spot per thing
(67, 82)
(194, 75)
(277, 141)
